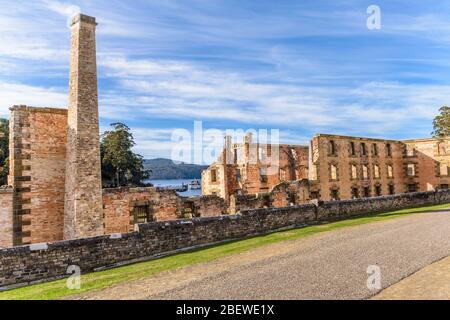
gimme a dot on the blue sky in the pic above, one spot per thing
(303, 67)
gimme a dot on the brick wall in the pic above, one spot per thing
(290, 193)
(252, 201)
(432, 161)
(291, 164)
(284, 194)
(30, 263)
(344, 158)
(37, 172)
(6, 217)
(209, 206)
(118, 205)
(217, 186)
(163, 205)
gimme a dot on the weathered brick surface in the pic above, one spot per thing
(252, 201)
(286, 163)
(6, 217)
(164, 205)
(343, 159)
(432, 159)
(208, 206)
(83, 215)
(335, 168)
(21, 264)
(284, 194)
(118, 205)
(335, 210)
(37, 172)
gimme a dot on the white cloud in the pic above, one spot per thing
(29, 47)
(27, 33)
(186, 90)
(65, 9)
(119, 66)
(192, 92)
(153, 143)
(20, 94)
(243, 66)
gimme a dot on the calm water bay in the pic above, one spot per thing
(177, 182)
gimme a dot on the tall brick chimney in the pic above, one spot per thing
(83, 215)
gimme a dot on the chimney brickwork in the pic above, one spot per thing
(83, 215)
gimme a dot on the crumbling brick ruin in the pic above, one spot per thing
(332, 168)
(54, 190)
(37, 173)
(124, 208)
(246, 173)
(55, 193)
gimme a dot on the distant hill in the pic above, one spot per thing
(167, 169)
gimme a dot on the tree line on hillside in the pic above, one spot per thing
(163, 169)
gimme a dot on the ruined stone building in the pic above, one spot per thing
(54, 190)
(244, 168)
(332, 168)
(55, 156)
(54, 184)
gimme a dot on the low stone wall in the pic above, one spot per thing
(337, 210)
(42, 262)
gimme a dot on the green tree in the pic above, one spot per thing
(120, 165)
(4, 151)
(441, 123)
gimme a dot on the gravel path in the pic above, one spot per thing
(430, 283)
(331, 265)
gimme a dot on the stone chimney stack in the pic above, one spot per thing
(250, 149)
(228, 157)
(83, 215)
(248, 138)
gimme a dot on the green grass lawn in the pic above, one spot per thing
(103, 279)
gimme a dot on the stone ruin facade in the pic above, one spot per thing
(331, 168)
(54, 185)
(54, 158)
(242, 168)
(125, 208)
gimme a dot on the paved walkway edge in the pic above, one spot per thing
(429, 283)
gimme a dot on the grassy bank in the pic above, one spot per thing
(103, 279)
